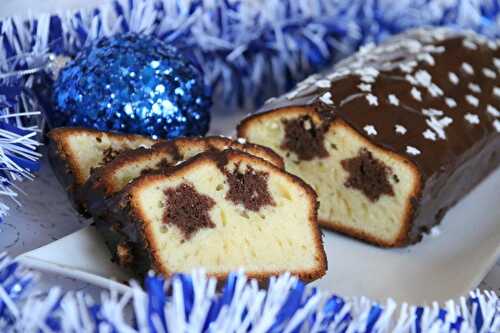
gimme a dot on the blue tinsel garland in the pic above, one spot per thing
(190, 303)
(249, 50)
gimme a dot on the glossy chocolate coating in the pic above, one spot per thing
(432, 97)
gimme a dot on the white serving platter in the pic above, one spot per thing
(441, 267)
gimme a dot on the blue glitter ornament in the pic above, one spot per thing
(132, 84)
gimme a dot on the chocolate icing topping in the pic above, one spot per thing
(406, 81)
(187, 209)
(369, 175)
(429, 95)
(249, 188)
(303, 138)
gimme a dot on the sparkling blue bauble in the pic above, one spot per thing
(132, 84)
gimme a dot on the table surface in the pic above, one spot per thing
(27, 228)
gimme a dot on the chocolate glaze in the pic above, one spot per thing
(369, 175)
(248, 188)
(187, 209)
(403, 82)
(303, 138)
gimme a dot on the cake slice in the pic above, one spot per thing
(75, 152)
(393, 136)
(221, 211)
(112, 177)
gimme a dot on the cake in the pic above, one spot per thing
(74, 152)
(221, 211)
(393, 136)
(112, 177)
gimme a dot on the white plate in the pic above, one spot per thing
(437, 269)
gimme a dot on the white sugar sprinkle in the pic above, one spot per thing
(489, 73)
(370, 130)
(496, 62)
(453, 78)
(472, 118)
(472, 100)
(393, 100)
(365, 87)
(474, 87)
(412, 150)
(322, 84)
(427, 58)
(326, 98)
(469, 44)
(434, 49)
(496, 91)
(429, 135)
(411, 79)
(408, 66)
(467, 68)
(400, 129)
(435, 91)
(372, 99)
(450, 102)
(430, 112)
(423, 77)
(371, 71)
(492, 110)
(492, 45)
(416, 94)
(496, 124)
(368, 79)
(439, 125)
(241, 140)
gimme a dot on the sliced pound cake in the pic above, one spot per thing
(394, 136)
(112, 177)
(221, 211)
(74, 152)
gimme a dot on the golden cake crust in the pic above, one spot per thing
(102, 180)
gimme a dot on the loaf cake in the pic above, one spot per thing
(221, 211)
(394, 135)
(74, 152)
(112, 177)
